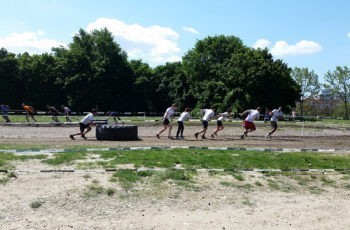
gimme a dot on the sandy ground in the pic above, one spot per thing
(319, 201)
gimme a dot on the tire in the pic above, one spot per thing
(116, 132)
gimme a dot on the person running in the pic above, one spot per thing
(219, 124)
(5, 112)
(115, 116)
(248, 123)
(276, 115)
(54, 112)
(29, 112)
(168, 115)
(66, 112)
(208, 114)
(183, 117)
(85, 123)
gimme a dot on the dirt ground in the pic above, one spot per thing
(321, 201)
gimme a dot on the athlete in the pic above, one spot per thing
(115, 116)
(29, 112)
(85, 123)
(66, 112)
(54, 112)
(248, 123)
(5, 112)
(219, 122)
(276, 115)
(208, 114)
(185, 115)
(168, 116)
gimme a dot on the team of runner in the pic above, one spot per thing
(251, 115)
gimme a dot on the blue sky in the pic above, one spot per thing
(303, 33)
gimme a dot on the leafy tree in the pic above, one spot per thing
(172, 86)
(224, 72)
(339, 81)
(308, 81)
(9, 80)
(37, 73)
(97, 72)
(144, 87)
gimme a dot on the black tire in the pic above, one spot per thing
(116, 132)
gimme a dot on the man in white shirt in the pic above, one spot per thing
(219, 122)
(276, 115)
(85, 123)
(183, 117)
(168, 116)
(208, 114)
(248, 123)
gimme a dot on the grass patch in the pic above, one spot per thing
(315, 190)
(127, 178)
(258, 183)
(6, 158)
(198, 158)
(273, 184)
(93, 190)
(65, 158)
(223, 159)
(327, 181)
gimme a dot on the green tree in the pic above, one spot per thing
(309, 84)
(37, 73)
(172, 86)
(9, 80)
(144, 86)
(98, 74)
(339, 81)
(308, 81)
(222, 71)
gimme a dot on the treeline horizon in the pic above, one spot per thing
(94, 72)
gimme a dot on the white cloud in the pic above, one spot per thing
(154, 44)
(30, 42)
(261, 43)
(349, 35)
(283, 49)
(190, 30)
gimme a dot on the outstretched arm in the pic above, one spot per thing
(244, 113)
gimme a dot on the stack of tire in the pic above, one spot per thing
(116, 132)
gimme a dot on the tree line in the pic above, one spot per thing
(94, 71)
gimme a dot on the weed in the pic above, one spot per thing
(93, 190)
(246, 201)
(226, 183)
(327, 181)
(36, 203)
(273, 184)
(258, 183)
(11, 174)
(126, 178)
(4, 180)
(110, 191)
(346, 177)
(87, 176)
(315, 190)
(95, 181)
